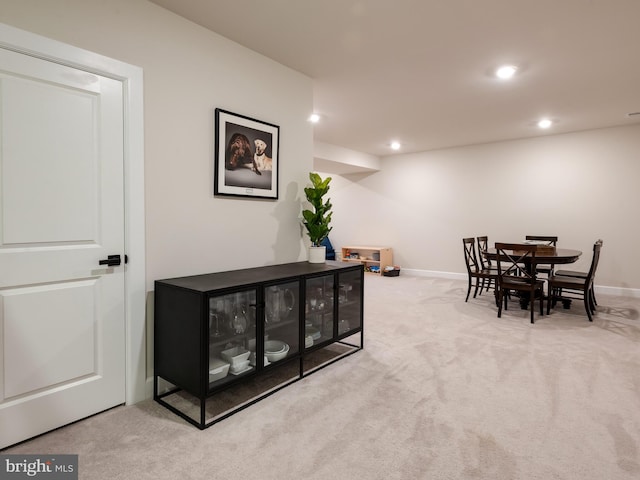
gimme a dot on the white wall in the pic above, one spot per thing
(579, 186)
(188, 72)
(343, 160)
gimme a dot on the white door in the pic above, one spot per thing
(62, 315)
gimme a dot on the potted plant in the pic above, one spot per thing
(317, 221)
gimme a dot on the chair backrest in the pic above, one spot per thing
(327, 243)
(470, 257)
(330, 253)
(483, 244)
(512, 257)
(594, 261)
(548, 239)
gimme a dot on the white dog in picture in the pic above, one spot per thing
(262, 161)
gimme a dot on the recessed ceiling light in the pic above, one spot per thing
(395, 145)
(314, 118)
(545, 123)
(506, 71)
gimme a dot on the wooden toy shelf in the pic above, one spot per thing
(373, 258)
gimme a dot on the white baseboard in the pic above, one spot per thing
(600, 289)
(149, 388)
(434, 274)
(618, 291)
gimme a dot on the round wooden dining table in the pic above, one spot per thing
(561, 256)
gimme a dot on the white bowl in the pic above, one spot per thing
(235, 355)
(274, 357)
(313, 332)
(275, 346)
(251, 344)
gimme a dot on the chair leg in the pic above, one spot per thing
(559, 290)
(475, 292)
(468, 290)
(554, 293)
(592, 300)
(587, 305)
(541, 303)
(499, 295)
(532, 301)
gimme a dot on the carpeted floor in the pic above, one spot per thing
(443, 390)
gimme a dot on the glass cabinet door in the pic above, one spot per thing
(231, 326)
(281, 321)
(319, 311)
(349, 301)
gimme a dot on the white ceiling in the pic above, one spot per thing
(420, 71)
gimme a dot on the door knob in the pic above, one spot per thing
(111, 261)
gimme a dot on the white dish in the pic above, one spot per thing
(217, 369)
(249, 367)
(240, 366)
(235, 355)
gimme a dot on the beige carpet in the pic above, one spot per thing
(443, 390)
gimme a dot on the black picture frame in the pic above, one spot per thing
(247, 161)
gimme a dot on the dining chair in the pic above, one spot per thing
(565, 288)
(577, 274)
(546, 240)
(486, 264)
(474, 269)
(512, 275)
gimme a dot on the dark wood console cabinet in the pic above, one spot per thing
(208, 362)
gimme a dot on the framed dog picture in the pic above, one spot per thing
(246, 156)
